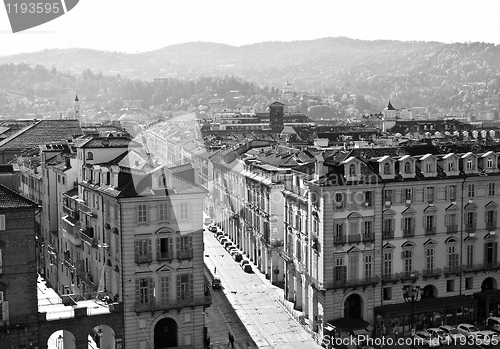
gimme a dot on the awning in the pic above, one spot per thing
(427, 305)
(349, 324)
(490, 295)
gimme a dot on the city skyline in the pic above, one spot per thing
(111, 26)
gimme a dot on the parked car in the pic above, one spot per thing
(234, 251)
(493, 323)
(425, 338)
(230, 248)
(216, 283)
(455, 334)
(227, 244)
(223, 240)
(444, 338)
(212, 228)
(247, 268)
(237, 257)
(222, 236)
(243, 262)
(469, 331)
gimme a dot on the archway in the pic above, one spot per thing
(102, 337)
(489, 284)
(165, 334)
(429, 291)
(61, 339)
(353, 306)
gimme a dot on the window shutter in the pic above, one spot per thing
(425, 194)
(170, 247)
(456, 260)
(447, 193)
(446, 220)
(475, 219)
(158, 249)
(398, 195)
(191, 242)
(485, 253)
(344, 272)
(151, 290)
(413, 223)
(423, 221)
(191, 285)
(178, 244)
(486, 217)
(178, 287)
(5, 310)
(434, 221)
(137, 284)
(495, 252)
(2, 222)
(402, 224)
(136, 251)
(150, 250)
(495, 218)
(402, 254)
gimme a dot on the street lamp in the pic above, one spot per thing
(411, 294)
(60, 342)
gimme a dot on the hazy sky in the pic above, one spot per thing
(144, 25)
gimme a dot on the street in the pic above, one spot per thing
(253, 299)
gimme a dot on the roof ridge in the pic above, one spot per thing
(18, 133)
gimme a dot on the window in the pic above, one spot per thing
(162, 181)
(491, 189)
(489, 163)
(368, 199)
(388, 228)
(143, 290)
(429, 193)
(1, 262)
(491, 219)
(451, 166)
(387, 263)
(450, 220)
(388, 195)
(164, 249)
(428, 166)
(340, 270)
(142, 214)
(143, 252)
(408, 226)
(407, 261)
(470, 255)
(452, 258)
(339, 201)
(338, 233)
(469, 283)
(165, 289)
(407, 168)
(368, 267)
(2, 222)
(452, 192)
(430, 224)
(90, 156)
(470, 220)
(163, 211)
(490, 253)
(387, 293)
(185, 247)
(368, 229)
(387, 168)
(354, 228)
(408, 194)
(450, 285)
(470, 191)
(469, 164)
(352, 170)
(429, 259)
(184, 287)
(184, 211)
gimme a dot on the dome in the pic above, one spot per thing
(126, 117)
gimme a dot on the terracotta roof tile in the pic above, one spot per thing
(9, 199)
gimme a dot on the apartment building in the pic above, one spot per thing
(380, 219)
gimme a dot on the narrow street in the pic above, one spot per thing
(253, 300)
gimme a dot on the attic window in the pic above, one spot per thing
(387, 169)
(451, 166)
(352, 170)
(469, 164)
(90, 156)
(489, 163)
(407, 168)
(162, 181)
(428, 166)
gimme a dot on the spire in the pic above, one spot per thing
(76, 99)
(389, 106)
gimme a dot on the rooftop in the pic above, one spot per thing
(9, 199)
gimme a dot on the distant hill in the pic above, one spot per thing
(412, 73)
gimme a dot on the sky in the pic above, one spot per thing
(143, 25)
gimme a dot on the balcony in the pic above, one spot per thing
(86, 209)
(355, 283)
(452, 229)
(87, 235)
(431, 273)
(409, 276)
(476, 268)
(408, 233)
(491, 226)
(69, 263)
(157, 304)
(287, 254)
(387, 278)
(84, 276)
(70, 212)
(354, 238)
(301, 192)
(470, 228)
(368, 237)
(454, 270)
(339, 240)
(430, 230)
(388, 234)
(184, 254)
(142, 258)
(165, 256)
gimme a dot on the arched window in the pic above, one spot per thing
(407, 168)
(387, 168)
(352, 170)
(162, 181)
(90, 156)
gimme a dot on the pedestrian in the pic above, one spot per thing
(231, 340)
(215, 271)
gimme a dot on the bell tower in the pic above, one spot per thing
(276, 111)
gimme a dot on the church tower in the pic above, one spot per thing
(77, 108)
(276, 111)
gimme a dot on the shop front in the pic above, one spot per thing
(429, 312)
(488, 304)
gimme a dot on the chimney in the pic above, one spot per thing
(68, 162)
(319, 167)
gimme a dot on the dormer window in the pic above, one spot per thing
(387, 168)
(489, 163)
(451, 166)
(162, 181)
(469, 164)
(90, 156)
(428, 167)
(352, 170)
(407, 168)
